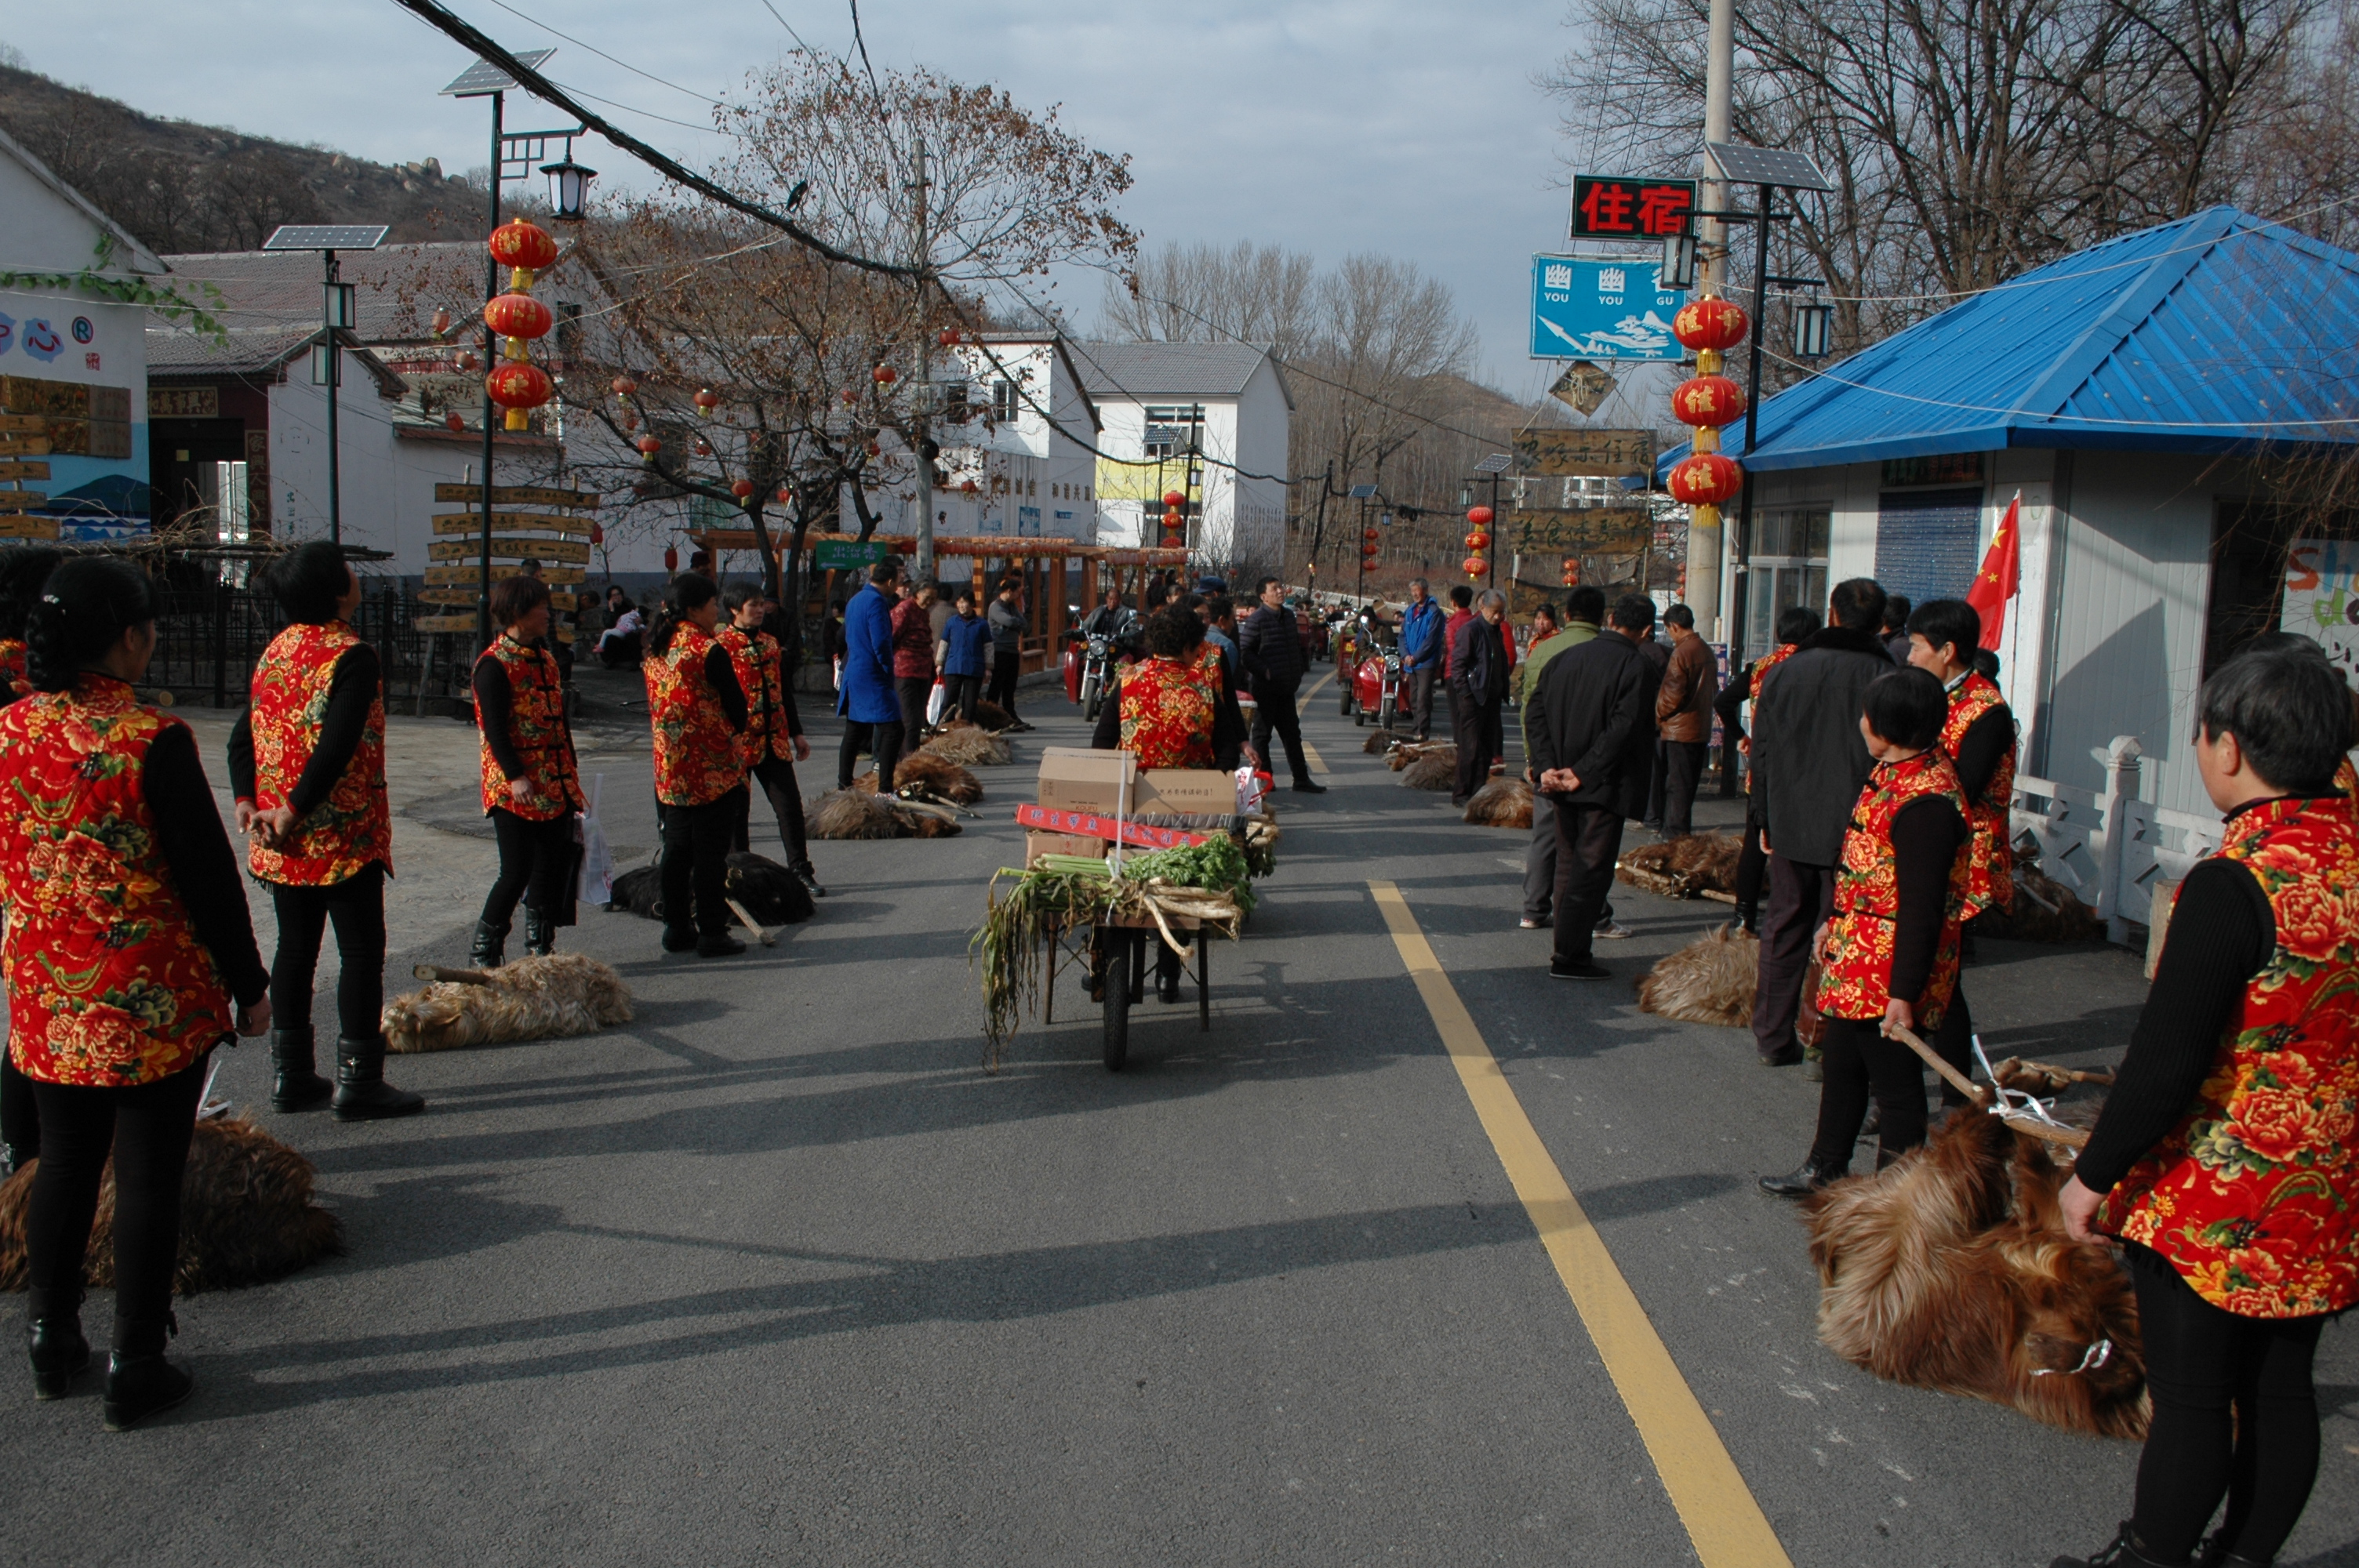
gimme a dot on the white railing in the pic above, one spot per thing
(2111, 847)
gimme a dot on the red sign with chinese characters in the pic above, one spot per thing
(1617, 206)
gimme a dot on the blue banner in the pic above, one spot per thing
(1585, 308)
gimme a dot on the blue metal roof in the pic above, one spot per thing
(2202, 335)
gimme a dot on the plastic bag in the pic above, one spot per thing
(597, 860)
(934, 703)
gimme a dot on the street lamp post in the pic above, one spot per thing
(338, 317)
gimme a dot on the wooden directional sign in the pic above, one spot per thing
(23, 423)
(25, 446)
(472, 523)
(1583, 530)
(24, 471)
(24, 527)
(1610, 453)
(557, 601)
(21, 500)
(465, 624)
(466, 576)
(510, 495)
(576, 551)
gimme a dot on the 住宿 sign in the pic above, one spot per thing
(1617, 207)
(1587, 308)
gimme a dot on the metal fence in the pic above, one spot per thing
(211, 631)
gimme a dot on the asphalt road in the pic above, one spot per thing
(777, 1273)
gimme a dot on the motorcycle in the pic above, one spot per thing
(1376, 688)
(1096, 674)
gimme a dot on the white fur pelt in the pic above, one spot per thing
(969, 746)
(531, 999)
(1503, 802)
(1710, 980)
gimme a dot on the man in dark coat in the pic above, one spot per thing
(1591, 732)
(1478, 686)
(1271, 648)
(1809, 764)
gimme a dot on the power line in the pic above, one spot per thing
(601, 54)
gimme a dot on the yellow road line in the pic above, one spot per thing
(1722, 1520)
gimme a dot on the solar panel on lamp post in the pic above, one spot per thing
(338, 317)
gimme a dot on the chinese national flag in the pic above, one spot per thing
(2001, 573)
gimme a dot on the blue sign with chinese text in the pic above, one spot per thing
(1587, 308)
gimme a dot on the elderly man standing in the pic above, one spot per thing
(1421, 653)
(1683, 719)
(1809, 765)
(1478, 686)
(1584, 612)
(1591, 732)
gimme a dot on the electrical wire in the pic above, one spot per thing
(601, 54)
(644, 114)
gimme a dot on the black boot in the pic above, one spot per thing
(54, 1343)
(2124, 1550)
(490, 949)
(295, 1080)
(679, 938)
(362, 1093)
(2212, 1555)
(540, 935)
(140, 1386)
(1801, 1183)
(808, 875)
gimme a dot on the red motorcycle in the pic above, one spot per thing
(1372, 686)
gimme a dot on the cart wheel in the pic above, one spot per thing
(1346, 708)
(1091, 698)
(1117, 1005)
(1389, 713)
(1360, 719)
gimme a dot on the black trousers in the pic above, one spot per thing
(1860, 1062)
(1655, 782)
(775, 775)
(1801, 896)
(2235, 1414)
(1474, 725)
(1274, 710)
(961, 692)
(1682, 771)
(1588, 841)
(356, 908)
(535, 860)
(882, 742)
(1005, 666)
(1954, 1042)
(914, 692)
(1752, 871)
(20, 1117)
(146, 1128)
(696, 861)
(1420, 698)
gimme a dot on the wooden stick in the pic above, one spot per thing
(751, 923)
(2070, 1075)
(461, 977)
(2071, 1137)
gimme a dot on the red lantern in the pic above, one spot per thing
(516, 386)
(625, 387)
(597, 534)
(850, 395)
(454, 423)
(630, 421)
(968, 487)
(648, 447)
(1708, 400)
(1173, 500)
(885, 375)
(671, 557)
(1478, 516)
(469, 361)
(873, 450)
(1371, 534)
(1708, 323)
(1705, 478)
(1572, 571)
(706, 401)
(786, 496)
(441, 322)
(1477, 566)
(948, 337)
(1478, 540)
(518, 316)
(525, 247)
(742, 490)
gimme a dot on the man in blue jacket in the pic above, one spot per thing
(1421, 652)
(871, 708)
(965, 656)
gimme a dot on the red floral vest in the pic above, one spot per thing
(2346, 779)
(538, 729)
(1856, 978)
(1761, 668)
(1166, 713)
(696, 759)
(107, 984)
(2255, 1196)
(12, 668)
(1989, 863)
(352, 828)
(754, 656)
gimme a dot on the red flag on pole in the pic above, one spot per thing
(2001, 573)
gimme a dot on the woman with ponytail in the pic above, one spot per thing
(307, 765)
(115, 871)
(699, 712)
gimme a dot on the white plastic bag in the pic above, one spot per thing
(934, 703)
(597, 860)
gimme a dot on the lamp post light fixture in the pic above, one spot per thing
(1814, 330)
(568, 186)
(1679, 252)
(338, 314)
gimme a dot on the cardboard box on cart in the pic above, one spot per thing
(1074, 778)
(1037, 844)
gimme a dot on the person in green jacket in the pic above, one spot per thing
(1584, 612)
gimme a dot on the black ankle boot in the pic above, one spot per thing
(362, 1093)
(54, 1344)
(2124, 1550)
(140, 1386)
(1801, 1183)
(2212, 1555)
(490, 949)
(540, 935)
(295, 1080)
(808, 875)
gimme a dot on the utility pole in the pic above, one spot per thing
(925, 387)
(491, 357)
(1704, 544)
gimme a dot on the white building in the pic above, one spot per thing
(1207, 419)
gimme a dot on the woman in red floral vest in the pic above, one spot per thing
(698, 712)
(2226, 1160)
(773, 741)
(530, 791)
(128, 956)
(1889, 955)
(307, 765)
(21, 586)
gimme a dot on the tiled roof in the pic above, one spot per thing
(1169, 370)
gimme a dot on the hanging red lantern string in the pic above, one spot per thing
(1477, 566)
(518, 384)
(742, 490)
(1478, 541)
(442, 323)
(1708, 401)
(706, 401)
(703, 447)
(1478, 517)
(454, 423)
(648, 447)
(525, 247)
(625, 387)
(1704, 478)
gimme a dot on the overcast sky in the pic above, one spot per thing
(1325, 125)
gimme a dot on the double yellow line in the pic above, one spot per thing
(1723, 1519)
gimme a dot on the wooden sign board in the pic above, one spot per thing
(23, 425)
(517, 495)
(1583, 530)
(472, 523)
(21, 500)
(183, 403)
(25, 446)
(468, 595)
(463, 625)
(1610, 453)
(467, 576)
(24, 527)
(24, 471)
(571, 550)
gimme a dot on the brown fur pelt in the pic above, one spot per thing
(771, 893)
(1950, 1271)
(1408, 751)
(1383, 740)
(938, 776)
(1435, 768)
(246, 1215)
(1683, 867)
(1502, 803)
(528, 999)
(2045, 909)
(969, 746)
(1710, 980)
(856, 813)
(992, 717)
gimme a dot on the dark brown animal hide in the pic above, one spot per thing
(771, 893)
(1434, 767)
(1684, 867)
(937, 775)
(1503, 802)
(2045, 909)
(1383, 740)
